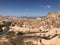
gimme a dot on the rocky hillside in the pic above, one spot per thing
(46, 27)
(47, 22)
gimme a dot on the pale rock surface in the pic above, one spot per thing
(47, 26)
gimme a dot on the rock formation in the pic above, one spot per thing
(33, 31)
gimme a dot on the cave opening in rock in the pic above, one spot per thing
(19, 33)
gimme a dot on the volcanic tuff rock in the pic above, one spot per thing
(37, 24)
(47, 28)
(52, 20)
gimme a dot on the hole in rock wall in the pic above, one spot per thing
(19, 33)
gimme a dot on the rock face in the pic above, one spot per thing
(31, 31)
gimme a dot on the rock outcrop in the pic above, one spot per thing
(42, 30)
